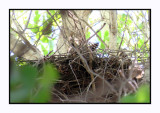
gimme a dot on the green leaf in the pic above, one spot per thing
(50, 43)
(50, 75)
(57, 17)
(22, 91)
(140, 42)
(146, 55)
(15, 76)
(36, 12)
(36, 17)
(99, 34)
(45, 51)
(52, 13)
(49, 78)
(129, 99)
(102, 46)
(34, 28)
(106, 36)
(123, 18)
(22, 82)
(129, 21)
(141, 96)
(141, 26)
(44, 39)
(88, 35)
(20, 95)
(28, 74)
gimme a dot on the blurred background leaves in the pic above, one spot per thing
(27, 85)
(141, 96)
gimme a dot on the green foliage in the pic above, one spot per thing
(36, 17)
(51, 46)
(140, 26)
(44, 49)
(147, 55)
(105, 38)
(140, 42)
(34, 28)
(123, 18)
(52, 12)
(48, 78)
(47, 26)
(44, 29)
(99, 34)
(121, 21)
(88, 35)
(22, 81)
(44, 39)
(40, 27)
(102, 46)
(57, 17)
(141, 96)
(26, 88)
(129, 21)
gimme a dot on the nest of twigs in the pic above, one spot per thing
(90, 75)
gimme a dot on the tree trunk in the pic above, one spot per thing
(110, 18)
(73, 30)
(105, 18)
(113, 30)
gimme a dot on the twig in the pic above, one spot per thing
(76, 22)
(123, 34)
(58, 48)
(35, 44)
(138, 27)
(92, 77)
(90, 71)
(16, 22)
(91, 29)
(76, 78)
(24, 39)
(85, 62)
(90, 55)
(27, 21)
(96, 32)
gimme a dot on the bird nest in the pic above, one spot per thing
(90, 75)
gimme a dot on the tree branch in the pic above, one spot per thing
(96, 32)
(27, 21)
(90, 28)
